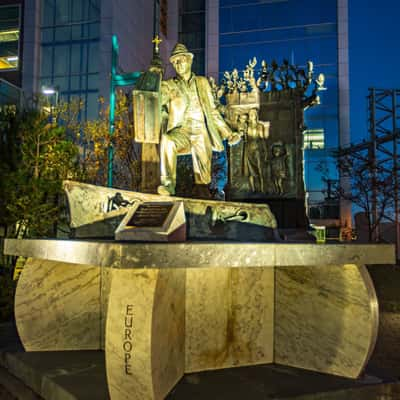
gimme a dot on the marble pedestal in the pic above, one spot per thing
(160, 310)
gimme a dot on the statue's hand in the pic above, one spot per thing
(235, 138)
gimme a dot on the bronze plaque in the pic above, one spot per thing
(150, 215)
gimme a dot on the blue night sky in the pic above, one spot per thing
(374, 55)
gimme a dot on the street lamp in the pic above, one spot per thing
(49, 92)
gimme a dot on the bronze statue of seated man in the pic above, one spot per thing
(193, 125)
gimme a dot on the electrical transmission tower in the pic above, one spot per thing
(381, 152)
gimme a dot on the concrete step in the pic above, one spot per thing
(80, 375)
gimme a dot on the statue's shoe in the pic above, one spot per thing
(165, 190)
(218, 195)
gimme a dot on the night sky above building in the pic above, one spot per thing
(374, 55)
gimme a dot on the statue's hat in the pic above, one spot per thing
(179, 50)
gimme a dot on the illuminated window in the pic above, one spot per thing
(9, 37)
(314, 139)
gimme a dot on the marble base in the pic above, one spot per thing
(229, 317)
(326, 318)
(145, 333)
(162, 310)
(57, 306)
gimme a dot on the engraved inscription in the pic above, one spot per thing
(150, 215)
(127, 343)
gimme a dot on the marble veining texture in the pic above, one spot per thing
(88, 204)
(168, 328)
(326, 319)
(199, 254)
(229, 317)
(153, 302)
(317, 317)
(105, 284)
(57, 306)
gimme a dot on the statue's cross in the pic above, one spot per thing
(157, 42)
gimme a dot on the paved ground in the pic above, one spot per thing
(12, 388)
(5, 395)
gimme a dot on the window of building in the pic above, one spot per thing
(192, 31)
(9, 37)
(314, 139)
(70, 51)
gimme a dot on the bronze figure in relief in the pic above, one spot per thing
(279, 167)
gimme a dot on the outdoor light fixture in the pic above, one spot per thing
(48, 90)
(52, 102)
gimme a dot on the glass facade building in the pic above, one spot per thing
(10, 21)
(11, 36)
(297, 31)
(192, 31)
(70, 35)
(68, 45)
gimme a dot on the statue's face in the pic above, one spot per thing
(277, 151)
(253, 115)
(182, 64)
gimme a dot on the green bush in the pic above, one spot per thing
(7, 293)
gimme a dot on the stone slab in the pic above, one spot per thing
(106, 277)
(217, 318)
(58, 307)
(67, 375)
(229, 317)
(241, 306)
(145, 333)
(326, 318)
(200, 254)
(12, 388)
(81, 376)
(91, 216)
